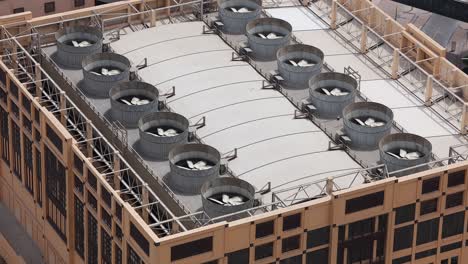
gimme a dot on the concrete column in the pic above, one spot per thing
(89, 136)
(153, 18)
(395, 64)
(329, 186)
(428, 90)
(38, 75)
(63, 105)
(145, 198)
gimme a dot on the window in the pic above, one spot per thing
(78, 164)
(92, 201)
(18, 10)
(453, 224)
(106, 218)
(364, 202)
(118, 211)
(49, 7)
(428, 231)
(38, 176)
(92, 180)
(92, 240)
(5, 135)
(118, 255)
(318, 237)
(426, 253)
(241, 256)
(56, 193)
(189, 249)
(3, 77)
(360, 228)
(430, 185)
(106, 197)
(404, 214)
(291, 221)
(403, 238)
(78, 185)
(428, 206)
(456, 178)
(28, 164)
(290, 243)
(402, 260)
(133, 257)
(318, 256)
(54, 138)
(118, 232)
(16, 138)
(79, 227)
(264, 229)
(139, 238)
(79, 3)
(451, 247)
(263, 251)
(292, 260)
(453, 200)
(106, 247)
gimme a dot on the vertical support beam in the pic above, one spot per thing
(116, 171)
(153, 18)
(463, 120)
(142, 9)
(395, 64)
(14, 56)
(333, 15)
(145, 198)
(129, 12)
(38, 75)
(329, 186)
(168, 9)
(436, 69)
(63, 105)
(364, 39)
(89, 136)
(428, 90)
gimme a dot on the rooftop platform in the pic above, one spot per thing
(272, 144)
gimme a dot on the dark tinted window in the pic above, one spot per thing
(404, 214)
(18, 10)
(291, 243)
(426, 253)
(430, 185)
(453, 200)
(292, 260)
(428, 206)
(318, 256)
(263, 251)
(79, 3)
(139, 238)
(264, 229)
(451, 246)
(241, 256)
(456, 178)
(402, 260)
(189, 249)
(453, 224)
(291, 221)
(364, 202)
(428, 231)
(403, 238)
(49, 7)
(361, 228)
(318, 237)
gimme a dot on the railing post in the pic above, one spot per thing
(364, 39)
(333, 15)
(395, 64)
(153, 18)
(38, 75)
(116, 162)
(428, 90)
(463, 120)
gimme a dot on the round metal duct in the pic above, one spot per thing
(365, 123)
(331, 92)
(226, 195)
(267, 35)
(404, 150)
(160, 132)
(75, 43)
(297, 63)
(235, 14)
(131, 100)
(103, 71)
(191, 166)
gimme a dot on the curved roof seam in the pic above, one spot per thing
(184, 55)
(159, 42)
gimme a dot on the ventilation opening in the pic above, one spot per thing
(75, 43)
(236, 14)
(266, 35)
